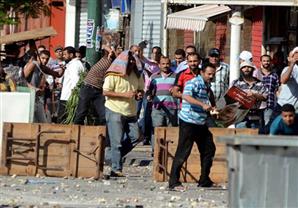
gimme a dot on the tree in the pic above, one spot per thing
(12, 10)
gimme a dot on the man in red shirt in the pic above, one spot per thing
(193, 61)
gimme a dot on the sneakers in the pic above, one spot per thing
(116, 174)
(206, 184)
(178, 188)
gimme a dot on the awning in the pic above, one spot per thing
(195, 18)
(239, 2)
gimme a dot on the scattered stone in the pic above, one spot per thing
(170, 204)
(175, 198)
(160, 198)
(14, 176)
(3, 185)
(102, 200)
(44, 203)
(23, 181)
(106, 183)
(37, 175)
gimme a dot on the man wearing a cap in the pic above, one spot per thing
(54, 64)
(289, 82)
(254, 88)
(220, 82)
(246, 56)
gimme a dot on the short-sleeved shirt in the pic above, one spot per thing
(115, 83)
(289, 93)
(183, 77)
(278, 127)
(190, 113)
(160, 89)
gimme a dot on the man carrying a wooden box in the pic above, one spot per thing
(193, 128)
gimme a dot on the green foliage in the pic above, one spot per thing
(26, 8)
(73, 101)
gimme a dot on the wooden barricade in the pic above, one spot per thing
(166, 141)
(52, 150)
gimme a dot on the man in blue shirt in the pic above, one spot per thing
(193, 128)
(286, 123)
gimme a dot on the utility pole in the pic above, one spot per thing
(93, 36)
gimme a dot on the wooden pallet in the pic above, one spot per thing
(52, 150)
(166, 141)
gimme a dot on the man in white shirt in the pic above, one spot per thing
(289, 82)
(70, 79)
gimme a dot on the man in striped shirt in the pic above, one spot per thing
(164, 105)
(193, 128)
(91, 91)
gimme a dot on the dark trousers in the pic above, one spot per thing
(188, 134)
(62, 115)
(90, 95)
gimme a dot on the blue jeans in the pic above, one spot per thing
(118, 127)
(267, 115)
(248, 124)
(163, 117)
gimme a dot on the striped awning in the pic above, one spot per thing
(195, 18)
(238, 2)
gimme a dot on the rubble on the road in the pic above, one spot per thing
(136, 190)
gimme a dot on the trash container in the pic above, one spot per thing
(263, 171)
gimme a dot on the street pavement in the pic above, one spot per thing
(136, 190)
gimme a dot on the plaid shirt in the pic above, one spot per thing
(271, 82)
(256, 87)
(220, 82)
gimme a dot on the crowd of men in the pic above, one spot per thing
(132, 94)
